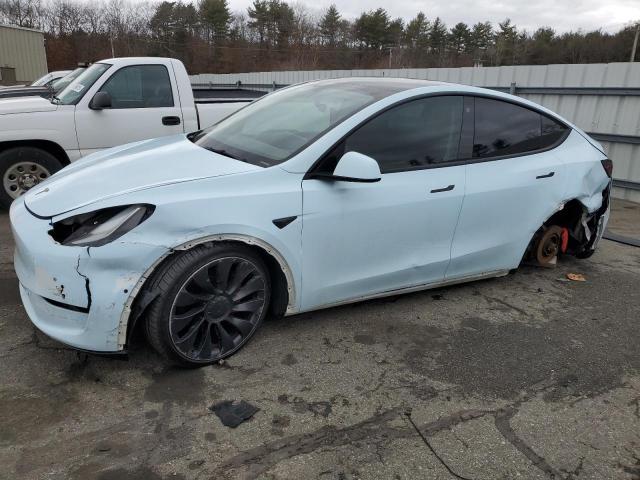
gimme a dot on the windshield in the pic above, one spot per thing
(61, 83)
(78, 87)
(276, 127)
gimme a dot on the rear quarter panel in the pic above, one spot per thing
(586, 178)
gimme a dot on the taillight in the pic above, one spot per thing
(608, 167)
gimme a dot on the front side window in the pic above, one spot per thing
(503, 128)
(411, 136)
(72, 93)
(140, 86)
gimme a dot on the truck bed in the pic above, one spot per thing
(213, 104)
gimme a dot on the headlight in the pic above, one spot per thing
(98, 228)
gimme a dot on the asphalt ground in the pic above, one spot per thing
(529, 376)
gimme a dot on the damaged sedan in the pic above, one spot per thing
(316, 195)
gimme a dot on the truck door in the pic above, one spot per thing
(144, 104)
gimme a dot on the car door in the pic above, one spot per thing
(515, 181)
(362, 239)
(143, 105)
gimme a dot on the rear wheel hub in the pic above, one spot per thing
(549, 246)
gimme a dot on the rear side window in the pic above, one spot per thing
(140, 86)
(503, 128)
(411, 136)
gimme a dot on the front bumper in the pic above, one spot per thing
(77, 295)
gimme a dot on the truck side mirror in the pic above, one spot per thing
(100, 100)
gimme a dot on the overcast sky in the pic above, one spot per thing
(562, 15)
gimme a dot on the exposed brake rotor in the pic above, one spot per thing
(548, 246)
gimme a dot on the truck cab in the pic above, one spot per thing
(113, 102)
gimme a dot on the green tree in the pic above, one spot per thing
(372, 29)
(543, 46)
(438, 37)
(416, 35)
(215, 17)
(395, 32)
(506, 43)
(481, 40)
(459, 38)
(259, 19)
(272, 20)
(330, 26)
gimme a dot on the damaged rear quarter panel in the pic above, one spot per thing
(587, 179)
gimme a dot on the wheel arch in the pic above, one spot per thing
(572, 214)
(47, 145)
(283, 284)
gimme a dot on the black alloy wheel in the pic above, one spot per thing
(217, 309)
(211, 302)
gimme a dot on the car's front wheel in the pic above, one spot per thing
(210, 301)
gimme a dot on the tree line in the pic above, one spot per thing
(275, 35)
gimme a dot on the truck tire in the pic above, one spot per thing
(22, 168)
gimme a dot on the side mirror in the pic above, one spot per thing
(356, 167)
(100, 100)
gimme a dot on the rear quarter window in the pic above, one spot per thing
(503, 128)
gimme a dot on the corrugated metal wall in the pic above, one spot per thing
(23, 49)
(604, 114)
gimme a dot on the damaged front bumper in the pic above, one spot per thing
(76, 295)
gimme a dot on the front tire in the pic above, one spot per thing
(22, 168)
(210, 301)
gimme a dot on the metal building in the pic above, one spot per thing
(601, 98)
(22, 55)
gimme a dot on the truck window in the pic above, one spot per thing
(140, 86)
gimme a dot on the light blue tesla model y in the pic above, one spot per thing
(319, 194)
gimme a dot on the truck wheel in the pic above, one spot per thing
(22, 168)
(209, 302)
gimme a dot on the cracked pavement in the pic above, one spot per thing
(529, 376)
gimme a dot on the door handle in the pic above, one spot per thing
(171, 120)
(548, 175)
(445, 189)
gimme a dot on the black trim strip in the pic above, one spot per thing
(35, 214)
(615, 138)
(66, 306)
(338, 178)
(284, 221)
(614, 237)
(223, 100)
(618, 91)
(626, 184)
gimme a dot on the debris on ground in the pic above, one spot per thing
(232, 413)
(576, 277)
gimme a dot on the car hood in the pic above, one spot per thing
(129, 168)
(25, 105)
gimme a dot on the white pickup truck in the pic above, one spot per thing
(111, 103)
